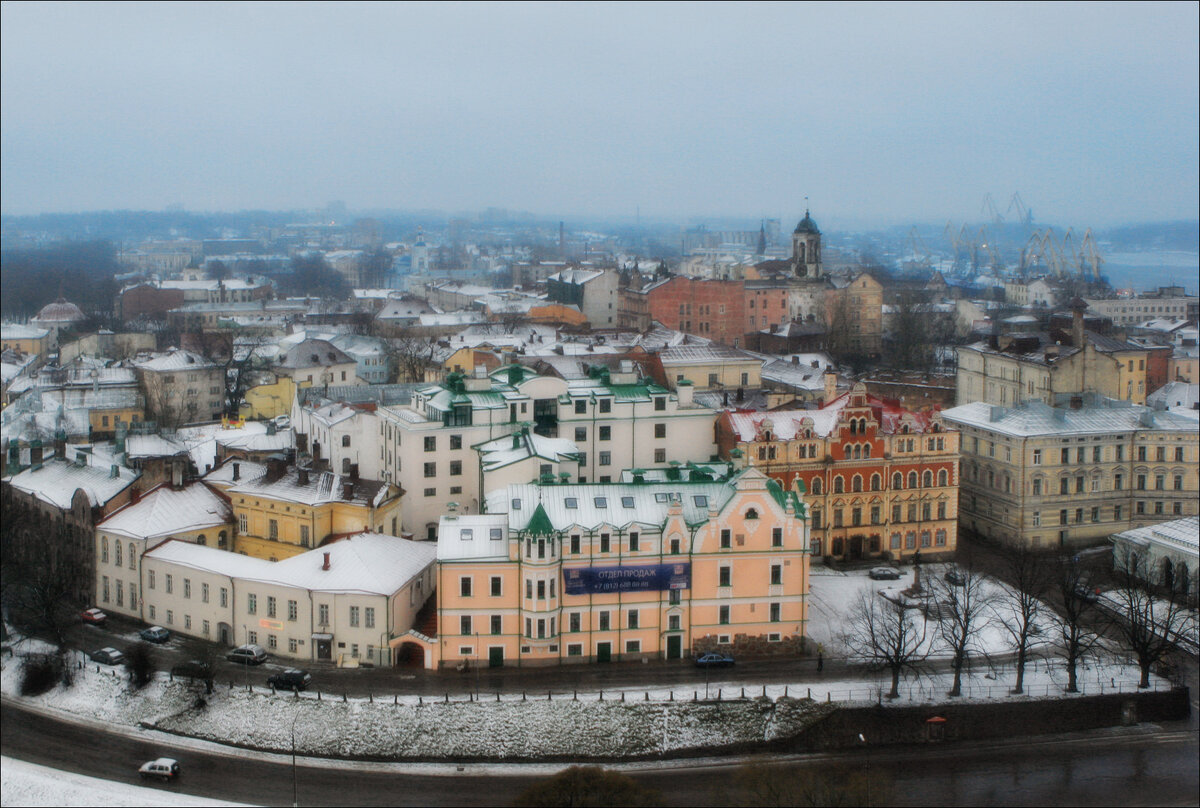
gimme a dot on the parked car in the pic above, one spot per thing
(163, 768)
(93, 617)
(714, 660)
(193, 669)
(108, 656)
(290, 679)
(955, 578)
(155, 634)
(884, 574)
(248, 655)
(1088, 594)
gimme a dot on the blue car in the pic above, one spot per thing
(156, 634)
(713, 660)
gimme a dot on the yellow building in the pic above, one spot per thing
(268, 400)
(285, 512)
(25, 339)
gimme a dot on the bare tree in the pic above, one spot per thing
(964, 607)
(411, 354)
(42, 577)
(886, 635)
(1076, 638)
(1021, 605)
(835, 316)
(1151, 621)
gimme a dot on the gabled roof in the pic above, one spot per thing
(164, 511)
(315, 353)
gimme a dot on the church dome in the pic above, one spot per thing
(807, 225)
(60, 311)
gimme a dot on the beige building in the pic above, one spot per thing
(1046, 477)
(617, 420)
(318, 363)
(194, 514)
(1137, 310)
(341, 603)
(1014, 368)
(181, 387)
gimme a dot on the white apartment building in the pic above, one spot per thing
(616, 421)
(342, 602)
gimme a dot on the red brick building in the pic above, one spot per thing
(879, 480)
(711, 309)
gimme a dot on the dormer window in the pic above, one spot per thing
(572, 503)
(751, 513)
(662, 496)
(627, 502)
(701, 501)
(516, 504)
(600, 502)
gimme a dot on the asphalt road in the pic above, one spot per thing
(1146, 765)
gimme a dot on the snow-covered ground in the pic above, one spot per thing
(24, 783)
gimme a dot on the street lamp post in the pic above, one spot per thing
(863, 741)
(295, 785)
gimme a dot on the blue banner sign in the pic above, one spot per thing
(649, 578)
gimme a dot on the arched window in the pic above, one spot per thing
(897, 480)
(132, 557)
(856, 483)
(876, 482)
(853, 426)
(221, 539)
(751, 513)
(943, 478)
(202, 540)
(927, 479)
(867, 450)
(838, 485)
(104, 549)
(815, 487)
(912, 479)
(345, 440)
(857, 452)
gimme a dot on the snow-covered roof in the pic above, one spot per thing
(165, 510)
(138, 446)
(786, 424)
(1179, 534)
(501, 452)
(1175, 396)
(222, 475)
(57, 480)
(1036, 418)
(591, 506)
(19, 331)
(474, 537)
(315, 353)
(322, 487)
(576, 276)
(365, 563)
(174, 360)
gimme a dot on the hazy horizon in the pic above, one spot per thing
(879, 114)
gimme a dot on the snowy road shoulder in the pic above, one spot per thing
(23, 783)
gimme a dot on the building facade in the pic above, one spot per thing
(878, 480)
(1046, 477)
(559, 574)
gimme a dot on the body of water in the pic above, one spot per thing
(1146, 271)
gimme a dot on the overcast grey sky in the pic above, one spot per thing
(886, 112)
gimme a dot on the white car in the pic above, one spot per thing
(163, 768)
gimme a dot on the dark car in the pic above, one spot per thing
(290, 679)
(193, 669)
(955, 578)
(108, 656)
(884, 574)
(156, 634)
(248, 655)
(1088, 594)
(714, 660)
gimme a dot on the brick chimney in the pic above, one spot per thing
(325, 566)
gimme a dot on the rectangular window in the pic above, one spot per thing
(573, 621)
(224, 598)
(270, 605)
(370, 617)
(464, 586)
(581, 407)
(606, 405)
(323, 614)
(496, 584)
(724, 575)
(606, 458)
(575, 544)
(541, 590)
(726, 535)
(170, 584)
(455, 468)
(251, 603)
(633, 618)
(776, 574)
(633, 541)
(660, 430)
(605, 541)
(606, 433)
(273, 530)
(660, 403)
(304, 535)
(775, 612)
(431, 469)
(354, 616)
(464, 624)
(723, 615)
(293, 610)
(497, 624)
(456, 441)
(605, 617)
(293, 645)
(431, 443)
(580, 433)
(633, 646)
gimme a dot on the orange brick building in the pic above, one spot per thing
(879, 480)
